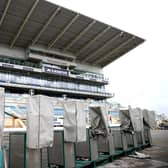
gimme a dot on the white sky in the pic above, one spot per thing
(139, 78)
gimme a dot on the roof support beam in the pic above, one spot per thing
(24, 23)
(56, 12)
(102, 47)
(5, 12)
(63, 31)
(79, 35)
(109, 54)
(93, 40)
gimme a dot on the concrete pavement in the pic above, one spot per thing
(158, 153)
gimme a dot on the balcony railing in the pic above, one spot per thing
(50, 83)
(53, 70)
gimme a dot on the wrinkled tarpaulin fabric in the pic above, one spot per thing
(149, 118)
(74, 121)
(136, 118)
(99, 124)
(81, 121)
(2, 105)
(70, 132)
(125, 119)
(39, 122)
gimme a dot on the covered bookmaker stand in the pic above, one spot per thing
(39, 129)
(24, 147)
(106, 144)
(132, 123)
(136, 117)
(87, 153)
(121, 138)
(149, 123)
(62, 154)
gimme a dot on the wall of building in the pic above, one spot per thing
(90, 68)
(13, 53)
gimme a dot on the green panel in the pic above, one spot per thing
(1, 159)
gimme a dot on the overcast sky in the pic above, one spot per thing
(139, 78)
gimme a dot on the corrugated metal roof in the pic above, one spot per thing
(37, 22)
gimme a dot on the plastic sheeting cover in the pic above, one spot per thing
(150, 118)
(99, 123)
(136, 118)
(81, 121)
(70, 132)
(125, 119)
(74, 121)
(39, 122)
(2, 104)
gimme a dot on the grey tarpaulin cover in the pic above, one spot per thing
(70, 131)
(136, 118)
(99, 124)
(2, 104)
(39, 122)
(74, 121)
(149, 118)
(81, 121)
(125, 119)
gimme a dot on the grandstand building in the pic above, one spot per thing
(51, 50)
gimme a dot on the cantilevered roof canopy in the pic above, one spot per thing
(25, 23)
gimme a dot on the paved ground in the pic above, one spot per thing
(159, 159)
(160, 137)
(158, 153)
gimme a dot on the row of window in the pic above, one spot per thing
(54, 69)
(19, 62)
(93, 76)
(28, 80)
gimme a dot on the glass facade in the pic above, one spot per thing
(9, 77)
(55, 70)
(90, 75)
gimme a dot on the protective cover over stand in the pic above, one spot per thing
(39, 128)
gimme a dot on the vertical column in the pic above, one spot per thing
(111, 143)
(93, 149)
(149, 136)
(135, 140)
(143, 137)
(33, 158)
(124, 141)
(69, 155)
(39, 130)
